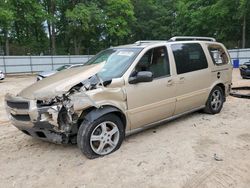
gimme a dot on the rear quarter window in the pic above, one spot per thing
(218, 55)
(189, 57)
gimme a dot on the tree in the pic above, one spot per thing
(244, 10)
(6, 22)
(83, 19)
(80, 26)
(28, 32)
(50, 6)
(155, 19)
(100, 23)
(216, 18)
(118, 20)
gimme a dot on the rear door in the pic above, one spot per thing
(193, 78)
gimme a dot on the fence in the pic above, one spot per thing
(240, 55)
(32, 64)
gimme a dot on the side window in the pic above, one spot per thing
(155, 60)
(218, 55)
(189, 57)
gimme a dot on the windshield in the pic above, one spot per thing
(117, 61)
(63, 67)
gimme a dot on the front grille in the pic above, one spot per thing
(21, 117)
(18, 105)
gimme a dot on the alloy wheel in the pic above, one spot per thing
(104, 138)
(216, 101)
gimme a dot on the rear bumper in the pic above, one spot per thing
(39, 122)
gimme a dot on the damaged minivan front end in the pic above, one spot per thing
(86, 105)
(53, 113)
(35, 119)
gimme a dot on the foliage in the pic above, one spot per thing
(87, 26)
(155, 19)
(209, 18)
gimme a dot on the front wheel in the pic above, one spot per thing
(215, 101)
(100, 137)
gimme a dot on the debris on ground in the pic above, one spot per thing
(217, 158)
(224, 133)
(241, 92)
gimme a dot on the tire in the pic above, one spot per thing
(100, 137)
(215, 101)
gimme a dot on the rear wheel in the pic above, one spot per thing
(100, 137)
(215, 101)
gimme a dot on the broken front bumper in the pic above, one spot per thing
(34, 120)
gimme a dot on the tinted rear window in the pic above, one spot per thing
(189, 57)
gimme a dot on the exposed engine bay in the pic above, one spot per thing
(63, 113)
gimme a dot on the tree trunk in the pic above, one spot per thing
(75, 45)
(53, 39)
(53, 32)
(79, 47)
(50, 6)
(7, 45)
(244, 32)
(17, 32)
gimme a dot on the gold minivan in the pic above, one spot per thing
(123, 90)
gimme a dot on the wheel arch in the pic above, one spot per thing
(222, 86)
(93, 113)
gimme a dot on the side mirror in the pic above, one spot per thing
(142, 76)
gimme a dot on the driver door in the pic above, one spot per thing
(150, 102)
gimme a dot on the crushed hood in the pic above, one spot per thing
(60, 82)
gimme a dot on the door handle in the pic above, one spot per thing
(181, 80)
(170, 83)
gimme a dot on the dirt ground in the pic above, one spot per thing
(178, 154)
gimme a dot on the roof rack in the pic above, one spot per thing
(178, 38)
(181, 38)
(148, 41)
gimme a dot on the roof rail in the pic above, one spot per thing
(181, 38)
(148, 41)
